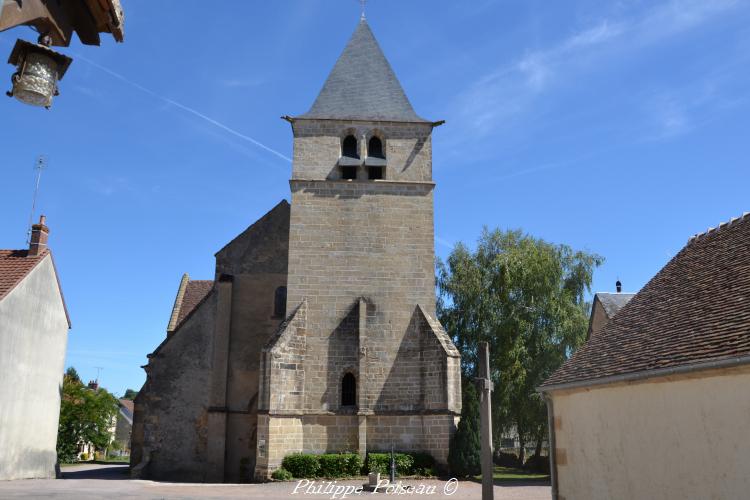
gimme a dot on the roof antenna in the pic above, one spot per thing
(364, 5)
(41, 163)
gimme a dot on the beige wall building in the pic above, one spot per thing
(33, 336)
(318, 333)
(656, 404)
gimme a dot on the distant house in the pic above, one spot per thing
(656, 404)
(124, 426)
(605, 306)
(120, 430)
(33, 336)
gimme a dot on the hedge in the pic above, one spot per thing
(424, 464)
(336, 465)
(281, 475)
(302, 465)
(340, 465)
(381, 462)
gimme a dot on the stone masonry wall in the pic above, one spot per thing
(284, 435)
(282, 365)
(171, 411)
(317, 148)
(423, 433)
(360, 239)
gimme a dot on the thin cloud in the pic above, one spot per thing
(444, 242)
(241, 82)
(185, 108)
(510, 89)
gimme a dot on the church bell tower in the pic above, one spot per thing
(361, 363)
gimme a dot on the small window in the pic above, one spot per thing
(349, 148)
(375, 148)
(348, 172)
(375, 173)
(279, 302)
(348, 390)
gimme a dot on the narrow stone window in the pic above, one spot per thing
(349, 148)
(348, 390)
(279, 302)
(375, 161)
(349, 158)
(375, 148)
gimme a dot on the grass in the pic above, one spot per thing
(503, 474)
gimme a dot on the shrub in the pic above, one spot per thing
(424, 464)
(84, 456)
(465, 446)
(281, 475)
(302, 465)
(504, 459)
(340, 465)
(381, 462)
(540, 464)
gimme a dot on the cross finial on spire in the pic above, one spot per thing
(364, 5)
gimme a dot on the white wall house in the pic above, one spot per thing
(656, 404)
(33, 336)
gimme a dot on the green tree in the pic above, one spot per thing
(526, 297)
(464, 454)
(130, 394)
(72, 374)
(86, 416)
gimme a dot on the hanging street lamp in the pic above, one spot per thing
(38, 70)
(38, 67)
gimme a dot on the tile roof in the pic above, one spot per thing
(696, 310)
(127, 408)
(14, 266)
(362, 85)
(613, 302)
(195, 292)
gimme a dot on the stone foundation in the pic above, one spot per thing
(279, 436)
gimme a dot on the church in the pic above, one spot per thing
(318, 332)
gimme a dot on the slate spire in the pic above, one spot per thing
(362, 85)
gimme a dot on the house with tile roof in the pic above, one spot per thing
(34, 326)
(318, 332)
(656, 404)
(123, 426)
(604, 308)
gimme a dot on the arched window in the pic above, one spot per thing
(348, 390)
(375, 148)
(349, 148)
(279, 302)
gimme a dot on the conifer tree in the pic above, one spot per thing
(465, 447)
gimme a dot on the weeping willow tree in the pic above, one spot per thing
(527, 298)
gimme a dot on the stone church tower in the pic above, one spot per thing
(359, 362)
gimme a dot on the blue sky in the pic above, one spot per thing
(618, 127)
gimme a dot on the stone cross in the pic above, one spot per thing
(485, 388)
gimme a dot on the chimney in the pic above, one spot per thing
(618, 285)
(94, 385)
(39, 235)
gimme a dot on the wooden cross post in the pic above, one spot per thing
(485, 387)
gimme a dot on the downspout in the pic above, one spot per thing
(552, 444)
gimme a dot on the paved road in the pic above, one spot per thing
(111, 481)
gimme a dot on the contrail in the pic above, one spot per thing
(184, 108)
